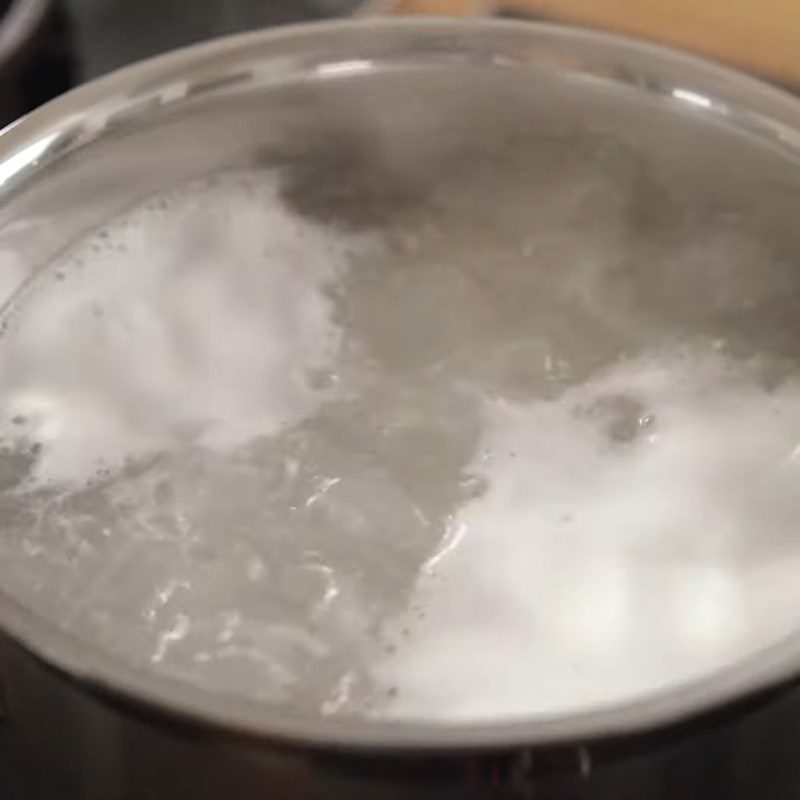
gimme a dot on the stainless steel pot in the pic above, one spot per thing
(352, 107)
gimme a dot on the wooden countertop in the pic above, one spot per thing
(762, 36)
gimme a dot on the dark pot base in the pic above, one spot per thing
(63, 742)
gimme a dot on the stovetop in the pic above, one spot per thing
(112, 33)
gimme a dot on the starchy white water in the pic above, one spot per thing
(339, 473)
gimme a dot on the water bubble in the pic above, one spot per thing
(622, 417)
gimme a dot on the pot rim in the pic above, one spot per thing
(80, 116)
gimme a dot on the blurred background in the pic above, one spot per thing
(110, 33)
(46, 46)
(762, 36)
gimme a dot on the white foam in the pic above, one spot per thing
(599, 568)
(197, 315)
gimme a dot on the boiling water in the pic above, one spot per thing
(397, 474)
